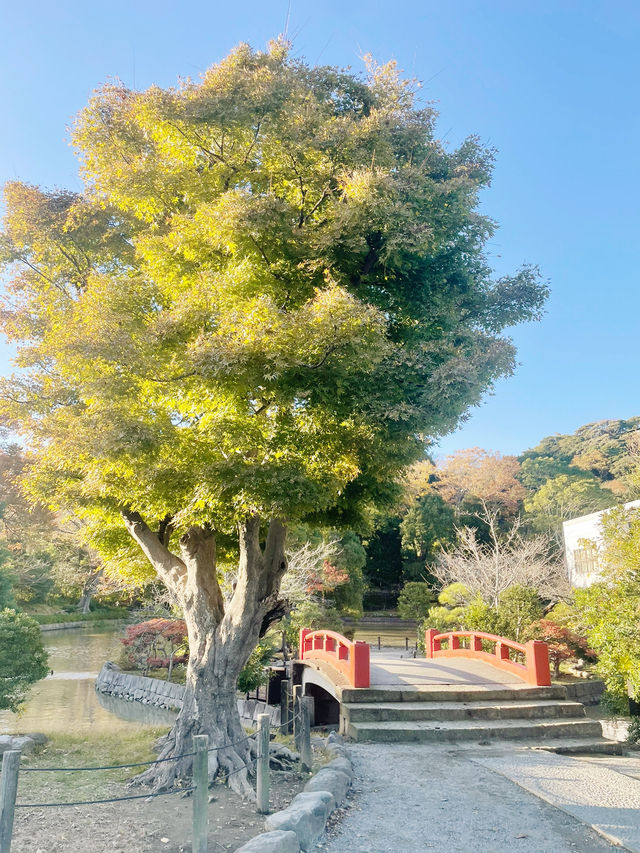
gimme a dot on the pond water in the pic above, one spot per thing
(67, 701)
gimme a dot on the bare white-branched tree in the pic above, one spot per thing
(305, 567)
(507, 560)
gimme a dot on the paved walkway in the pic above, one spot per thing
(421, 797)
(392, 669)
(603, 791)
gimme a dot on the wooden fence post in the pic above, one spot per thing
(306, 705)
(8, 789)
(285, 686)
(262, 776)
(201, 793)
(297, 720)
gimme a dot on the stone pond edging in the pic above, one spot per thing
(165, 694)
(302, 823)
(81, 623)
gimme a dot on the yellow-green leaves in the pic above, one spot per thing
(271, 286)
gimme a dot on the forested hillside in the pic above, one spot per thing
(562, 477)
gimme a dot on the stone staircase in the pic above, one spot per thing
(466, 714)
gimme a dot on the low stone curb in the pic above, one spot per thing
(306, 816)
(279, 841)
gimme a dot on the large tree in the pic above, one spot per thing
(270, 291)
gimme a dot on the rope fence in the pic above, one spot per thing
(109, 800)
(297, 718)
(104, 766)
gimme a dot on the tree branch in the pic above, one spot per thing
(170, 569)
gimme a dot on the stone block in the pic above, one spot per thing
(337, 750)
(341, 764)
(280, 841)
(334, 781)
(38, 737)
(22, 742)
(305, 815)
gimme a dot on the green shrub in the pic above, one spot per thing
(6, 589)
(254, 674)
(633, 735)
(414, 600)
(518, 607)
(310, 614)
(23, 659)
(615, 702)
(454, 595)
(480, 616)
(445, 619)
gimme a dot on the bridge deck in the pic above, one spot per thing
(391, 669)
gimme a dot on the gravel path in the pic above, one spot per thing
(414, 797)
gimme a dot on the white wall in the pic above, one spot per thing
(582, 541)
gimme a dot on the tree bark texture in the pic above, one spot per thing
(221, 640)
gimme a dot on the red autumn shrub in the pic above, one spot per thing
(327, 579)
(563, 643)
(157, 643)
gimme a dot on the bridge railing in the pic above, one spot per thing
(529, 660)
(352, 659)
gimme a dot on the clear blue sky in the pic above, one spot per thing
(553, 84)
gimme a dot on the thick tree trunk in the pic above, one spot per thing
(220, 642)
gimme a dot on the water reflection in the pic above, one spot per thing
(67, 702)
(136, 712)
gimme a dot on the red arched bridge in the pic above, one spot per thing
(468, 684)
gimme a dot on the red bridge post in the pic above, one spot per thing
(429, 644)
(538, 671)
(359, 661)
(303, 634)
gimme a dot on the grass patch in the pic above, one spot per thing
(70, 750)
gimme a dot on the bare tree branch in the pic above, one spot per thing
(508, 560)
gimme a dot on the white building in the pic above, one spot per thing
(582, 540)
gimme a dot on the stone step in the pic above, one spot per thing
(451, 693)
(399, 731)
(585, 746)
(513, 709)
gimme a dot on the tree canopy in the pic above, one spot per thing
(271, 284)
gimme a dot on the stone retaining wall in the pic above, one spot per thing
(616, 728)
(165, 694)
(587, 692)
(139, 688)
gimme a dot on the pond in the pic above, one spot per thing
(67, 701)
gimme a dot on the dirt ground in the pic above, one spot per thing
(161, 823)
(147, 826)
